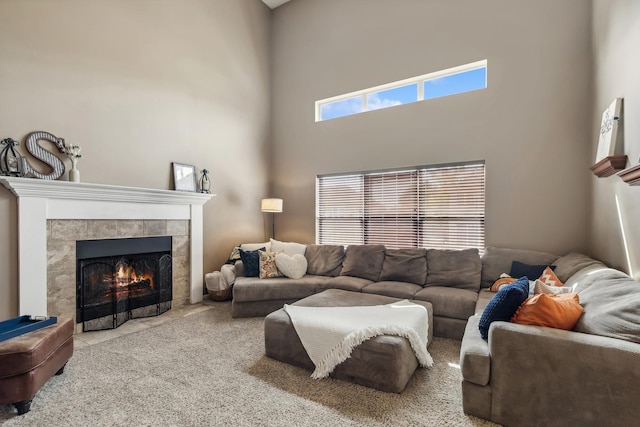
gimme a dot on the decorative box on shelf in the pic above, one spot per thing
(609, 165)
(631, 175)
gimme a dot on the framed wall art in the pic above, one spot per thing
(609, 130)
(184, 177)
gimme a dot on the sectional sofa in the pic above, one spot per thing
(521, 375)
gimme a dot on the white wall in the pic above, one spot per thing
(532, 124)
(615, 227)
(138, 85)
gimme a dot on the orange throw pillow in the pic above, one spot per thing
(548, 277)
(560, 311)
(501, 282)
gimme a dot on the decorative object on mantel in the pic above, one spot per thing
(73, 152)
(631, 175)
(607, 163)
(10, 164)
(44, 155)
(205, 182)
(184, 177)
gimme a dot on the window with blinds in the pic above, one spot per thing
(428, 207)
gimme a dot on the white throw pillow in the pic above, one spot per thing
(289, 248)
(255, 246)
(293, 267)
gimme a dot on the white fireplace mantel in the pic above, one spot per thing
(41, 200)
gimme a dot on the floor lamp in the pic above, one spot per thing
(274, 206)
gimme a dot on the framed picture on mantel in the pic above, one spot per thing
(609, 130)
(184, 177)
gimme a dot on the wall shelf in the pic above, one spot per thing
(609, 165)
(631, 175)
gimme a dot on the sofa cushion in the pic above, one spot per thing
(496, 261)
(560, 311)
(570, 264)
(293, 267)
(289, 248)
(405, 265)
(346, 283)
(449, 302)
(393, 289)
(324, 260)
(454, 268)
(475, 358)
(251, 262)
(503, 305)
(280, 288)
(364, 261)
(611, 308)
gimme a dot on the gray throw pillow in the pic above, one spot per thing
(570, 264)
(496, 261)
(405, 265)
(454, 268)
(324, 260)
(364, 261)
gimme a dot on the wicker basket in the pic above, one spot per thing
(223, 295)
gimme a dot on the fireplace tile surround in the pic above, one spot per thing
(52, 215)
(61, 255)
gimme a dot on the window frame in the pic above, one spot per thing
(368, 217)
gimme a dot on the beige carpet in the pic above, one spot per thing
(209, 369)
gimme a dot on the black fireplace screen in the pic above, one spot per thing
(122, 279)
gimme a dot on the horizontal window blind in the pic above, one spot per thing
(430, 207)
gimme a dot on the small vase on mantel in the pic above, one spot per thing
(74, 174)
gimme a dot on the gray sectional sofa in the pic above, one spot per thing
(521, 375)
(537, 376)
(451, 280)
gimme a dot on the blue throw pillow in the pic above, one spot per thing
(532, 271)
(251, 261)
(504, 304)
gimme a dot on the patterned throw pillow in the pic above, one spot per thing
(560, 311)
(268, 268)
(549, 278)
(504, 305)
(234, 255)
(251, 261)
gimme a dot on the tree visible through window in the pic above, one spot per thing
(433, 207)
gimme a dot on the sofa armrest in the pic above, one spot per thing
(475, 359)
(534, 368)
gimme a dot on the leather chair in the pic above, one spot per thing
(28, 361)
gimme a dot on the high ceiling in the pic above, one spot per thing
(274, 3)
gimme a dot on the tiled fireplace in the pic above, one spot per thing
(53, 215)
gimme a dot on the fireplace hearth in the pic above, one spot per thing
(122, 279)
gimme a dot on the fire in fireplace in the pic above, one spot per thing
(121, 279)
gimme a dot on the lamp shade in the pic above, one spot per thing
(271, 205)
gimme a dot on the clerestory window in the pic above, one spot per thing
(464, 78)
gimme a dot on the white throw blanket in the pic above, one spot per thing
(329, 334)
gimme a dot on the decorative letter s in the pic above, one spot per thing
(44, 155)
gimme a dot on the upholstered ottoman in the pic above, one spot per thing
(28, 361)
(385, 362)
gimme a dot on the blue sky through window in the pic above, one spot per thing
(464, 78)
(392, 97)
(456, 83)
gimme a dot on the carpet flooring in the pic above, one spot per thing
(207, 369)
